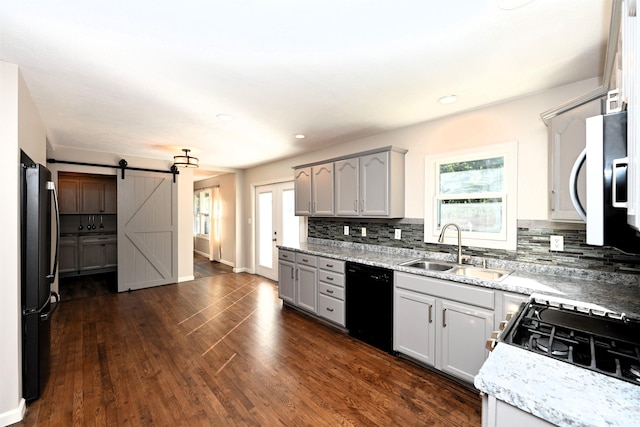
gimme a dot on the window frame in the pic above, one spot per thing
(198, 216)
(506, 238)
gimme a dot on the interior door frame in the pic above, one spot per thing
(253, 222)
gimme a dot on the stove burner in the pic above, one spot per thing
(558, 348)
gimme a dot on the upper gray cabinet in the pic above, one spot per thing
(314, 190)
(567, 138)
(369, 184)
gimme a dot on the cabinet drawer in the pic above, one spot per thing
(332, 291)
(286, 255)
(331, 309)
(468, 294)
(305, 259)
(332, 278)
(331, 264)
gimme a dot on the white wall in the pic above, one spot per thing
(515, 120)
(20, 127)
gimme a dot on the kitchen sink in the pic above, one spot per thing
(480, 273)
(427, 265)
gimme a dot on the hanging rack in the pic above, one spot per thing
(122, 165)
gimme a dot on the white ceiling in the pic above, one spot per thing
(147, 78)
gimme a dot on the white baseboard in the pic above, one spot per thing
(241, 270)
(185, 278)
(13, 416)
(204, 254)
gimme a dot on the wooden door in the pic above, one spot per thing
(68, 195)
(147, 230)
(91, 196)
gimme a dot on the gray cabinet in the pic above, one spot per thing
(314, 190)
(331, 291)
(567, 139)
(286, 276)
(496, 413)
(88, 194)
(465, 329)
(306, 282)
(69, 195)
(442, 324)
(369, 184)
(414, 325)
(98, 252)
(68, 258)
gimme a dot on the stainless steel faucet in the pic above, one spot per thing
(441, 238)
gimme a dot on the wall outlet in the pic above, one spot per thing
(364, 232)
(397, 234)
(346, 230)
(556, 243)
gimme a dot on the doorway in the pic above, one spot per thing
(276, 224)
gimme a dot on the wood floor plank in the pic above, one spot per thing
(222, 350)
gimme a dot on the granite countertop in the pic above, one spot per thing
(553, 390)
(556, 391)
(619, 293)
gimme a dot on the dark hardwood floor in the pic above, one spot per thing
(222, 350)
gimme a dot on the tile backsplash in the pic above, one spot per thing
(533, 243)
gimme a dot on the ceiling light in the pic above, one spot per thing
(224, 117)
(299, 136)
(449, 99)
(185, 161)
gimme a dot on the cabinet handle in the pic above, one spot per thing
(329, 278)
(310, 206)
(292, 273)
(330, 309)
(430, 318)
(444, 317)
(329, 291)
(362, 207)
(296, 274)
(355, 205)
(285, 256)
(329, 265)
(305, 260)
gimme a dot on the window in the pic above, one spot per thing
(202, 213)
(475, 190)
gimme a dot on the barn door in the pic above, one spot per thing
(147, 230)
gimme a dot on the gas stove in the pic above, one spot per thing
(581, 334)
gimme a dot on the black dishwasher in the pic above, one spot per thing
(369, 301)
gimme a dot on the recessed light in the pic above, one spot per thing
(224, 117)
(299, 136)
(449, 99)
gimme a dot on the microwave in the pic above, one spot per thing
(607, 172)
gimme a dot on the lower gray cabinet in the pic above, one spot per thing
(442, 324)
(286, 276)
(465, 329)
(307, 282)
(98, 252)
(68, 258)
(414, 326)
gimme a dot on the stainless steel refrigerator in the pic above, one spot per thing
(38, 271)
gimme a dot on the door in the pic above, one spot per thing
(147, 230)
(322, 190)
(374, 184)
(302, 179)
(347, 187)
(414, 325)
(276, 224)
(465, 329)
